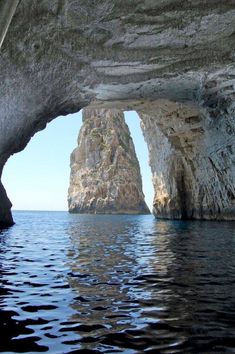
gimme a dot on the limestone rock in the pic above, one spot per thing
(59, 56)
(105, 173)
(192, 160)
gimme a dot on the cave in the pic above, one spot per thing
(173, 66)
(109, 166)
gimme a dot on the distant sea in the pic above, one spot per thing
(116, 284)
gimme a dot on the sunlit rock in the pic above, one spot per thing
(105, 173)
(192, 157)
(59, 56)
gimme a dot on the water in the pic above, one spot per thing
(116, 284)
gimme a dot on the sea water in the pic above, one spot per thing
(116, 284)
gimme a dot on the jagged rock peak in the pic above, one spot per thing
(105, 173)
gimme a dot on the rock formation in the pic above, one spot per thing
(60, 56)
(192, 161)
(5, 207)
(105, 173)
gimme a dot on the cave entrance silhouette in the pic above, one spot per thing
(37, 178)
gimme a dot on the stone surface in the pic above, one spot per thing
(5, 207)
(7, 11)
(192, 157)
(60, 56)
(105, 173)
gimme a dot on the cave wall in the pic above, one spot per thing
(192, 160)
(5, 209)
(59, 56)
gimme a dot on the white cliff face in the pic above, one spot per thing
(60, 56)
(105, 173)
(192, 160)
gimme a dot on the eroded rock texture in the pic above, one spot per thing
(60, 56)
(105, 173)
(192, 157)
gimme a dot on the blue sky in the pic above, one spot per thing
(38, 177)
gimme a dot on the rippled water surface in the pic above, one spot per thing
(116, 284)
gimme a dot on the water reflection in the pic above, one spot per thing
(112, 284)
(148, 277)
(102, 267)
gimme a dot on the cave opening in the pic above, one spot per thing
(38, 177)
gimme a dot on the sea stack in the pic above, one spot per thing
(105, 174)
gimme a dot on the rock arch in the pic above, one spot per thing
(60, 56)
(192, 161)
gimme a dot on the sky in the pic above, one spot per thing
(37, 178)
